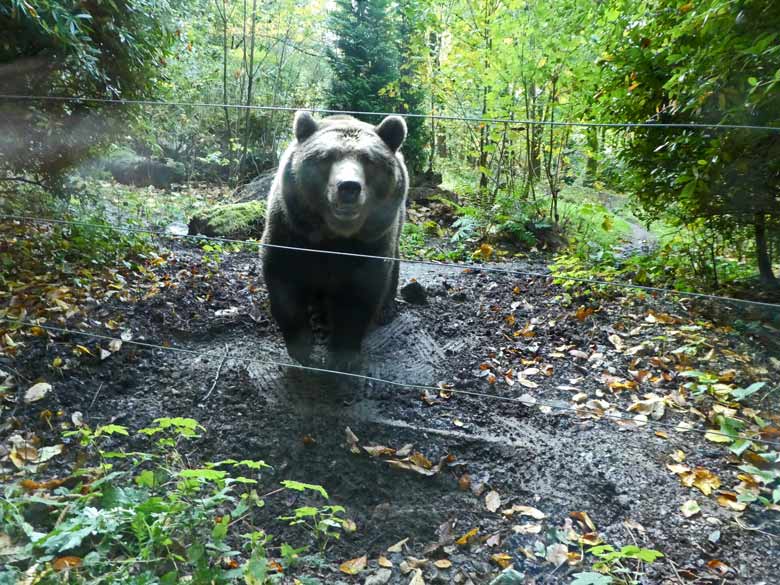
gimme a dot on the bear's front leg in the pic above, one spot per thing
(289, 307)
(350, 318)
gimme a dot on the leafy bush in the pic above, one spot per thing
(147, 517)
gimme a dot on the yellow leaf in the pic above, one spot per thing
(503, 560)
(65, 563)
(83, 350)
(384, 562)
(442, 564)
(464, 540)
(354, 566)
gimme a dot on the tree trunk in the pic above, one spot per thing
(766, 275)
(592, 165)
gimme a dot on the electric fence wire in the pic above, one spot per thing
(524, 402)
(443, 265)
(431, 116)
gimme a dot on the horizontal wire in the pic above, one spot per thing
(527, 403)
(690, 125)
(445, 265)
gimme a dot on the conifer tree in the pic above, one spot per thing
(366, 63)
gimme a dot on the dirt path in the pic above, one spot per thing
(546, 458)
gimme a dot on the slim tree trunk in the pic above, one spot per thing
(762, 253)
(592, 165)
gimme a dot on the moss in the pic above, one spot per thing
(238, 221)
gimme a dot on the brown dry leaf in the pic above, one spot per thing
(398, 546)
(428, 398)
(583, 312)
(719, 567)
(678, 468)
(615, 340)
(464, 483)
(492, 501)
(32, 485)
(503, 560)
(510, 320)
(466, 538)
(22, 454)
(419, 459)
(557, 554)
(354, 566)
(493, 539)
(729, 500)
(442, 564)
(379, 451)
(65, 563)
(491, 378)
(352, 440)
(653, 406)
(384, 562)
(584, 519)
(524, 511)
(37, 392)
(702, 479)
(590, 539)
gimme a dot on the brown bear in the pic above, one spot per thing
(341, 186)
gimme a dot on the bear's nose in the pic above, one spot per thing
(348, 192)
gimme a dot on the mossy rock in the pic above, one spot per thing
(239, 221)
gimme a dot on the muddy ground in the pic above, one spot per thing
(547, 458)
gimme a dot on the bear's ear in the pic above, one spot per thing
(304, 125)
(392, 130)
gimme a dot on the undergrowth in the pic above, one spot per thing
(143, 517)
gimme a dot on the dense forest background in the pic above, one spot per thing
(706, 198)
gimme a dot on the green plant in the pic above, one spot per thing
(323, 523)
(146, 517)
(613, 566)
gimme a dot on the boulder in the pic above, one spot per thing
(236, 221)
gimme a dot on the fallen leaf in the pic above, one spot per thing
(65, 563)
(729, 500)
(503, 560)
(37, 392)
(398, 546)
(417, 579)
(464, 540)
(524, 511)
(384, 562)
(557, 554)
(352, 440)
(702, 479)
(354, 566)
(442, 564)
(379, 451)
(584, 519)
(464, 483)
(690, 508)
(492, 501)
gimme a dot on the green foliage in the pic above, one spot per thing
(152, 519)
(74, 49)
(712, 62)
(613, 565)
(366, 64)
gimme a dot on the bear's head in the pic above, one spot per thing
(350, 174)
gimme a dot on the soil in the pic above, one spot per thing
(547, 458)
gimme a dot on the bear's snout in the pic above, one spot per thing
(348, 192)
